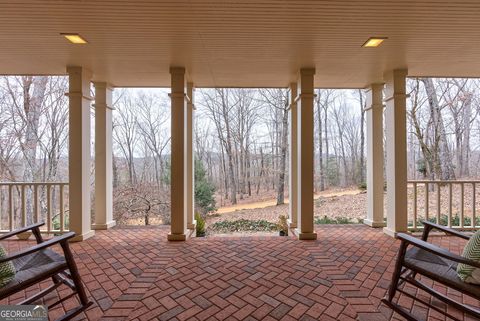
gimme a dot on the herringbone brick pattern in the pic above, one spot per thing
(269, 279)
(366, 260)
(135, 274)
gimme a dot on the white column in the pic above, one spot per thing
(374, 111)
(103, 157)
(79, 152)
(178, 163)
(305, 154)
(396, 144)
(293, 146)
(190, 157)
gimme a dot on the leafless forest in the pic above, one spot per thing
(241, 140)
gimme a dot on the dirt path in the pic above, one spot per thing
(273, 202)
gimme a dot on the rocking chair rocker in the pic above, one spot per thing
(435, 263)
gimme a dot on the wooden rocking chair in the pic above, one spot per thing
(38, 263)
(417, 256)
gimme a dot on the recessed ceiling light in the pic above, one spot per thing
(373, 42)
(74, 38)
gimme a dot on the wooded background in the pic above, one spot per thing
(241, 139)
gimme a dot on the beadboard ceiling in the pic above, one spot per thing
(241, 43)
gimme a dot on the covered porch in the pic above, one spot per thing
(319, 272)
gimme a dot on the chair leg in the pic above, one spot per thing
(397, 272)
(77, 281)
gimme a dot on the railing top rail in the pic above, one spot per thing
(32, 183)
(444, 181)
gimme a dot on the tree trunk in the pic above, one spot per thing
(32, 107)
(443, 161)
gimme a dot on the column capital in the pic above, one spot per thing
(307, 71)
(177, 70)
(395, 81)
(102, 85)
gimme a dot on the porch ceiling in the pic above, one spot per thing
(241, 43)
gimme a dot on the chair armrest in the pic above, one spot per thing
(446, 230)
(23, 229)
(436, 250)
(59, 239)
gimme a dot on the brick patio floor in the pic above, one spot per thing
(135, 274)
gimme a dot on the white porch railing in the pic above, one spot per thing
(24, 203)
(450, 203)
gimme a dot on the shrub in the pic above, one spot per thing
(204, 190)
(200, 227)
(363, 186)
(282, 223)
(337, 220)
(244, 225)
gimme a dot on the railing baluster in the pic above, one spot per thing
(426, 201)
(49, 208)
(462, 203)
(10, 207)
(36, 208)
(23, 206)
(414, 205)
(62, 210)
(450, 206)
(438, 203)
(474, 220)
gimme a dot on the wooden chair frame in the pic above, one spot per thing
(67, 274)
(402, 274)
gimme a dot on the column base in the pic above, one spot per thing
(374, 223)
(82, 237)
(179, 237)
(390, 232)
(291, 224)
(193, 225)
(306, 236)
(104, 226)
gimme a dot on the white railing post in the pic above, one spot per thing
(450, 204)
(474, 220)
(438, 203)
(62, 209)
(10, 207)
(23, 206)
(414, 205)
(462, 203)
(427, 200)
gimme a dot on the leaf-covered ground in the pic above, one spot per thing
(341, 207)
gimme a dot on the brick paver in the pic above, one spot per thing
(135, 274)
